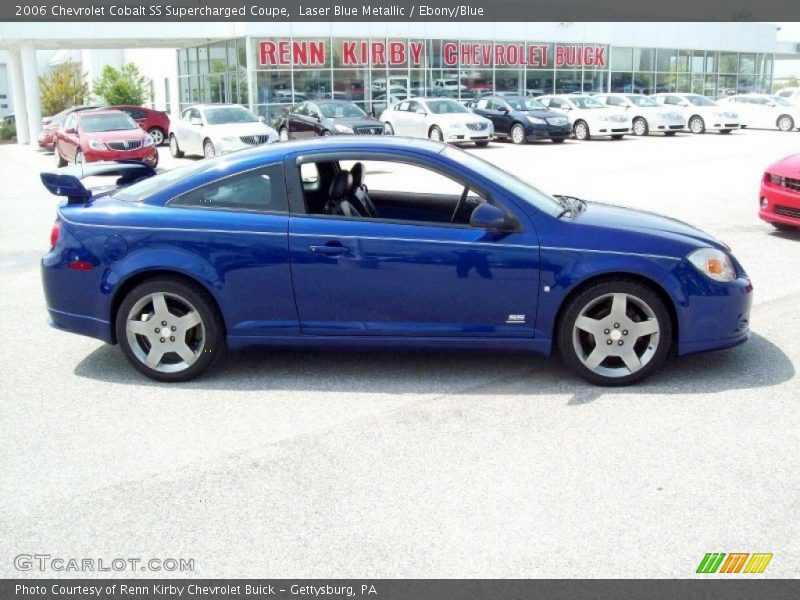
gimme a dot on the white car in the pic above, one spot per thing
(449, 86)
(700, 113)
(792, 94)
(588, 117)
(646, 115)
(440, 119)
(210, 129)
(764, 111)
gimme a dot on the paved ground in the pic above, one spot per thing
(386, 465)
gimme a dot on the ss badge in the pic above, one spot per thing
(515, 320)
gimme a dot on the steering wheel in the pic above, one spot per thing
(461, 202)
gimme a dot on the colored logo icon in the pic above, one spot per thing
(734, 562)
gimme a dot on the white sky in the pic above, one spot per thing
(790, 32)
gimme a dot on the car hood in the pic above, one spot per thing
(618, 218)
(236, 129)
(596, 112)
(457, 117)
(110, 136)
(353, 121)
(539, 114)
(787, 167)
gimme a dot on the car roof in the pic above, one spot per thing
(101, 111)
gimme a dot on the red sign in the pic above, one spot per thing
(313, 53)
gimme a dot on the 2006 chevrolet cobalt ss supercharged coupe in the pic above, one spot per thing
(285, 245)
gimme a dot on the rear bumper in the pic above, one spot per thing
(80, 324)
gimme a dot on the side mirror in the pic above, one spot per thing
(489, 216)
(421, 111)
(503, 111)
(196, 121)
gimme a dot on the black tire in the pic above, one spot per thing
(585, 298)
(208, 149)
(517, 134)
(60, 162)
(557, 140)
(174, 150)
(435, 133)
(157, 134)
(388, 129)
(699, 124)
(214, 345)
(640, 124)
(785, 123)
(481, 144)
(617, 137)
(581, 130)
(785, 227)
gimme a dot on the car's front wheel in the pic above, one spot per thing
(157, 134)
(581, 131)
(436, 134)
(615, 333)
(697, 125)
(518, 134)
(174, 150)
(169, 331)
(640, 126)
(208, 149)
(388, 129)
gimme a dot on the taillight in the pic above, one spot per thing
(55, 232)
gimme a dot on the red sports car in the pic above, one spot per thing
(780, 193)
(103, 135)
(154, 122)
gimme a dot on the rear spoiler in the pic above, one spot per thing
(67, 181)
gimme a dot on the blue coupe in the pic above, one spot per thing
(285, 245)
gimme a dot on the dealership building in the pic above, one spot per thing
(267, 66)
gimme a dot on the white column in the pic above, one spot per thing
(18, 91)
(30, 76)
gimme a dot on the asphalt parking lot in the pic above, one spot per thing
(331, 464)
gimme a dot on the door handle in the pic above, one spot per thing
(329, 249)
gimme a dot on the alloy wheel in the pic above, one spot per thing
(518, 134)
(640, 127)
(157, 135)
(436, 134)
(696, 125)
(165, 332)
(208, 149)
(581, 131)
(785, 123)
(616, 335)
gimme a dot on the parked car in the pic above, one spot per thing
(154, 122)
(588, 117)
(210, 129)
(448, 86)
(94, 135)
(780, 194)
(50, 125)
(206, 257)
(645, 113)
(764, 111)
(792, 94)
(700, 113)
(440, 119)
(522, 119)
(326, 117)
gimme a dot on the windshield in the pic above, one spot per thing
(700, 100)
(641, 100)
(586, 102)
(107, 122)
(152, 185)
(229, 114)
(525, 104)
(441, 107)
(519, 188)
(334, 111)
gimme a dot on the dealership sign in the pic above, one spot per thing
(314, 53)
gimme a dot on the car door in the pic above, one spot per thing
(195, 130)
(400, 118)
(364, 277)
(416, 115)
(501, 115)
(69, 138)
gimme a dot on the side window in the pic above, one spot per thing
(194, 114)
(259, 190)
(556, 103)
(674, 100)
(545, 101)
(613, 101)
(483, 104)
(186, 115)
(785, 93)
(413, 107)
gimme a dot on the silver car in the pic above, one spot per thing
(646, 115)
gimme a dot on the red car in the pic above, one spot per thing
(96, 135)
(154, 122)
(47, 137)
(780, 193)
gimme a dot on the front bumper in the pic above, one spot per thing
(148, 155)
(464, 134)
(663, 124)
(605, 128)
(782, 207)
(547, 132)
(718, 123)
(225, 146)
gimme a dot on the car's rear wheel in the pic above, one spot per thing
(169, 331)
(208, 149)
(518, 134)
(174, 150)
(581, 131)
(615, 333)
(435, 134)
(157, 134)
(697, 125)
(60, 162)
(283, 134)
(640, 126)
(785, 123)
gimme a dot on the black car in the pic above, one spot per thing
(522, 119)
(326, 117)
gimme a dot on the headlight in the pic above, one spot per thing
(148, 141)
(536, 120)
(713, 263)
(603, 118)
(665, 115)
(777, 179)
(343, 128)
(229, 138)
(97, 145)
